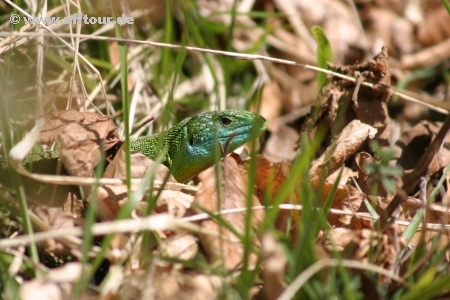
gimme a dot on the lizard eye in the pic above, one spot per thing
(225, 121)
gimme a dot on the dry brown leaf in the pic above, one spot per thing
(359, 244)
(82, 137)
(180, 246)
(345, 176)
(346, 144)
(162, 283)
(273, 175)
(348, 199)
(435, 212)
(428, 57)
(111, 198)
(174, 202)
(347, 101)
(435, 28)
(56, 285)
(57, 219)
(361, 159)
(229, 252)
(140, 164)
(414, 142)
(387, 28)
(335, 239)
(74, 205)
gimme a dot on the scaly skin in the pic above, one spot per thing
(190, 145)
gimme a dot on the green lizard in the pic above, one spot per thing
(190, 144)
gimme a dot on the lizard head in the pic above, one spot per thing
(204, 132)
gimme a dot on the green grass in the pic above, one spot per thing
(226, 83)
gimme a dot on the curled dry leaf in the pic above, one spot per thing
(82, 136)
(341, 99)
(228, 252)
(346, 144)
(348, 199)
(271, 176)
(74, 205)
(361, 159)
(345, 176)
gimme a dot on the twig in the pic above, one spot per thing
(411, 180)
(241, 56)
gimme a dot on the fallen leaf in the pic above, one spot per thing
(140, 164)
(162, 283)
(361, 244)
(56, 285)
(343, 100)
(180, 246)
(272, 176)
(414, 142)
(347, 143)
(82, 137)
(228, 252)
(57, 219)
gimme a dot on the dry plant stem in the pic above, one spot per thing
(143, 224)
(410, 180)
(8, 41)
(360, 80)
(240, 56)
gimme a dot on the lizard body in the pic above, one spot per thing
(190, 144)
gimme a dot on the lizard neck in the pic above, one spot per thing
(171, 140)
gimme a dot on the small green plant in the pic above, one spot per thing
(381, 171)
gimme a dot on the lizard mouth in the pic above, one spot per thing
(244, 133)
